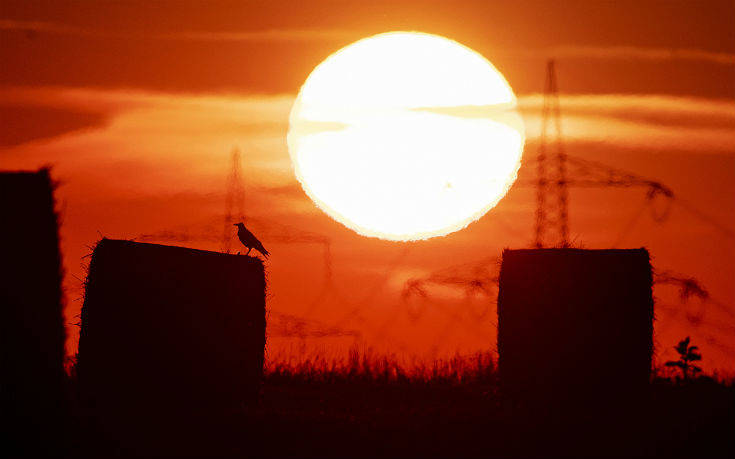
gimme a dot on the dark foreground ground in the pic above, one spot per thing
(435, 421)
(374, 410)
(383, 413)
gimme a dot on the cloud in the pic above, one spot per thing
(268, 35)
(652, 122)
(631, 53)
(650, 109)
(40, 27)
(638, 53)
(165, 134)
(306, 35)
(262, 35)
(270, 107)
(27, 123)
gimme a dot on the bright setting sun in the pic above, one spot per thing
(405, 136)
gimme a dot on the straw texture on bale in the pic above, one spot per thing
(575, 324)
(32, 326)
(170, 333)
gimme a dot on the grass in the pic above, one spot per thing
(367, 366)
(373, 405)
(370, 405)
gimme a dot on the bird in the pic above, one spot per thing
(249, 240)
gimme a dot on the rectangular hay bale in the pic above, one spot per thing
(32, 331)
(575, 324)
(170, 333)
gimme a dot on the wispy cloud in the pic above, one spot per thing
(631, 53)
(650, 122)
(307, 35)
(41, 27)
(295, 35)
(260, 123)
(657, 109)
(640, 53)
(262, 35)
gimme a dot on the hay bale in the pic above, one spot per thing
(575, 324)
(170, 335)
(32, 326)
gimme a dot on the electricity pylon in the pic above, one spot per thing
(552, 196)
(234, 200)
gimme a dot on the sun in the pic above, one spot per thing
(405, 136)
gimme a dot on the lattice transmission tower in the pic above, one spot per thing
(556, 172)
(234, 200)
(552, 195)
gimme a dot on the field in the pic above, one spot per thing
(370, 406)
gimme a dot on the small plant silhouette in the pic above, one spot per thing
(687, 355)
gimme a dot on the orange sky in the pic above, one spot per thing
(139, 106)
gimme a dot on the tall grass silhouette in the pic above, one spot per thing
(367, 366)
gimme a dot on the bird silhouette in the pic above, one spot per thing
(249, 240)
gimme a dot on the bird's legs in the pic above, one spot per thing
(249, 249)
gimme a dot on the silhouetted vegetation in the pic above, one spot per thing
(367, 366)
(687, 355)
(371, 405)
